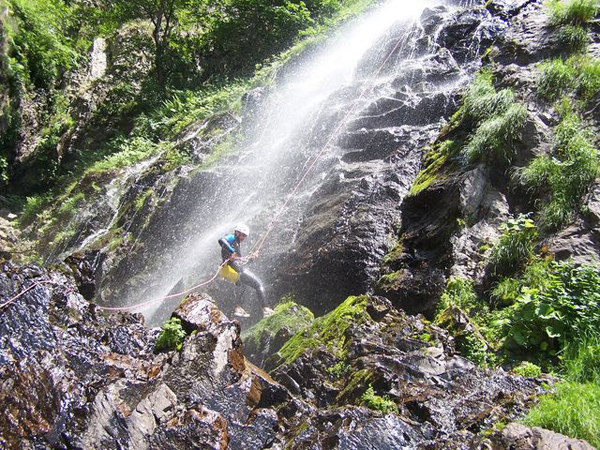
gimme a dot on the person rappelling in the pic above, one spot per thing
(234, 271)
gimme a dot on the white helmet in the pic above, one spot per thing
(242, 228)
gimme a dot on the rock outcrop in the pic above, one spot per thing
(73, 376)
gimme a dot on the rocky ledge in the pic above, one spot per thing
(366, 376)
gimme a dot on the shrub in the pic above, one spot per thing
(515, 247)
(378, 403)
(40, 44)
(572, 12)
(573, 410)
(546, 319)
(171, 336)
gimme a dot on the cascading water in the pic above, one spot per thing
(351, 120)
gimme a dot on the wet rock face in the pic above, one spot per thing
(346, 229)
(418, 275)
(440, 397)
(73, 377)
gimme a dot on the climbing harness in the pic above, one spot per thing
(224, 269)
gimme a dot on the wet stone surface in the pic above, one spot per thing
(71, 376)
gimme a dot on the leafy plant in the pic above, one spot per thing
(377, 402)
(171, 336)
(548, 318)
(515, 247)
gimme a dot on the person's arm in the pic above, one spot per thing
(226, 243)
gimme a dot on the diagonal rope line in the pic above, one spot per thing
(370, 85)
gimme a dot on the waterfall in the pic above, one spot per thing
(366, 85)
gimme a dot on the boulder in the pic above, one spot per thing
(519, 437)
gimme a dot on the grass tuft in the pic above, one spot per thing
(579, 75)
(565, 177)
(574, 37)
(573, 410)
(496, 118)
(571, 12)
(515, 248)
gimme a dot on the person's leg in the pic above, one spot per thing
(236, 265)
(249, 279)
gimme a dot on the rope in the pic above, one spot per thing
(256, 249)
(177, 294)
(20, 294)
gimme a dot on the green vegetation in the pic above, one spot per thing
(438, 155)
(204, 55)
(527, 369)
(474, 328)
(515, 247)
(339, 369)
(287, 315)
(579, 74)
(548, 306)
(171, 336)
(328, 331)
(564, 177)
(571, 12)
(573, 410)
(574, 37)
(546, 319)
(378, 403)
(581, 358)
(458, 293)
(497, 121)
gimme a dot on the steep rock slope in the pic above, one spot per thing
(456, 208)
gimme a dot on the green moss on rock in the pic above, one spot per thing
(357, 385)
(435, 160)
(328, 331)
(288, 315)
